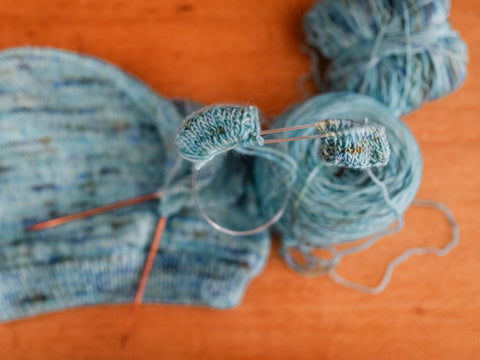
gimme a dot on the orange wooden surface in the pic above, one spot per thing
(248, 51)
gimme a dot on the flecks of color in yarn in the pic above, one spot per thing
(217, 129)
(220, 128)
(331, 204)
(77, 133)
(353, 144)
(399, 52)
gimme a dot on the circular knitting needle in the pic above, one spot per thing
(296, 138)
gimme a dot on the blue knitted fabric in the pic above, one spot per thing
(77, 133)
(353, 144)
(217, 129)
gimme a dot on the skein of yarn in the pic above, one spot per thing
(401, 53)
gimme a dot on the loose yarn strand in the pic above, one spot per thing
(314, 75)
(440, 252)
(316, 265)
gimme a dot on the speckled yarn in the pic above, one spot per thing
(220, 128)
(330, 204)
(399, 52)
(216, 129)
(77, 133)
(353, 144)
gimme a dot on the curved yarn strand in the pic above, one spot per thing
(406, 255)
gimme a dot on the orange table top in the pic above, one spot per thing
(249, 52)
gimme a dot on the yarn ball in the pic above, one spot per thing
(353, 144)
(402, 53)
(217, 129)
(333, 204)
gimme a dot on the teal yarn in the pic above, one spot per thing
(353, 144)
(220, 128)
(351, 178)
(216, 129)
(77, 133)
(401, 53)
(330, 204)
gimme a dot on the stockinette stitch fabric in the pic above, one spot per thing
(77, 133)
(220, 128)
(216, 129)
(402, 53)
(353, 144)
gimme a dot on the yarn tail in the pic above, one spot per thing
(403, 257)
(143, 280)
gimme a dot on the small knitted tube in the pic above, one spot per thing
(353, 144)
(216, 129)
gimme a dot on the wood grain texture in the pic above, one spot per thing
(249, 52)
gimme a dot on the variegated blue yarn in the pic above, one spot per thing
(77, 133)
(330, 204)
(219, 128)
(401, 53)
(353, 144)
(216, 129)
